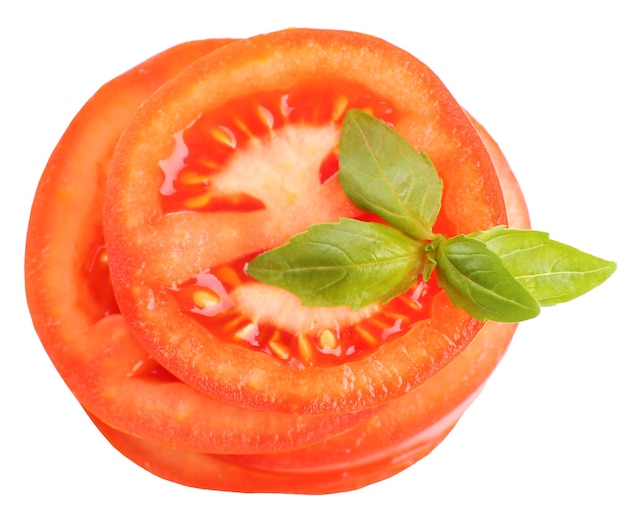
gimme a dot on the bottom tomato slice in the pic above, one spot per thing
(395, 437)
(74, 309)
(398, 436)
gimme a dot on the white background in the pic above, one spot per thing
(546, 437)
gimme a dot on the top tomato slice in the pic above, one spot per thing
(198, 185)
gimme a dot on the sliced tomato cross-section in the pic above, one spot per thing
(181, 217)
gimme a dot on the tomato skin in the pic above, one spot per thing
(136, 230)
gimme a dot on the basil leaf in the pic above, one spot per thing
(351, 263)
(551, 271)
(383, 174)
(475, 279)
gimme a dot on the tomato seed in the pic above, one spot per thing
(339, 108)
(248, 333)
(305, 349)
(328, 340)
(279, 350)
(366, 335)
(205, 297)
(228, 276)
(210, 164)
(235, 322)
(266, 117)
(225, 136)
(197, 201)
(193, 178)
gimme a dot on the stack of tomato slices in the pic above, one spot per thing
(175, 174)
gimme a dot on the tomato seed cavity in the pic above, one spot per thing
(204, 148)
(207, 298)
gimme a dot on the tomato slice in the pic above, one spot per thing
(155, 249)
(73, 306)
(400, 434)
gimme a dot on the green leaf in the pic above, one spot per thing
(383, 174)
(551, 271)
(351, 263)
(475, 279)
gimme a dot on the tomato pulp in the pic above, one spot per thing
(210, 153)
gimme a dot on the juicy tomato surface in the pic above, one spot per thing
(212, 152)
(267, 126)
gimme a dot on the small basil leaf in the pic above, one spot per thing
(551, 271)
(475, 279)
(350, 263)
(383, 174)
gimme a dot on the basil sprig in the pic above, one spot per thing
(498, 274)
